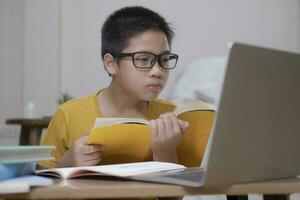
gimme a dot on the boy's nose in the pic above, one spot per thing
(156, 70)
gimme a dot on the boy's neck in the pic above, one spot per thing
(115, 103)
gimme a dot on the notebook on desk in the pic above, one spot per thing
(257, 130)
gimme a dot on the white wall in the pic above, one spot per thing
(203, 28)
(42, 76)
(52, 46)
(11, 58)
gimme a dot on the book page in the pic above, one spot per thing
(99, 122)
(130, 169)
(58, 172)
(119, 170)
(191, 106)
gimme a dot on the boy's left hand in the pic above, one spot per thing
(166, 133)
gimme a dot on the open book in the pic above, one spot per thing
(126, 170)
(129, 138)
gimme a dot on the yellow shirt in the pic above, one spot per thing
(76, 117)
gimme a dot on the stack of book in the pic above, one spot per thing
(21, 160)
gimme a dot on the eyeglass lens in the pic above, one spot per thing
(147, 60)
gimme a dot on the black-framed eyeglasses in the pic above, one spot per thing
(146, 60)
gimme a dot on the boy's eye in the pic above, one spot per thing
(142, 59)
(167, 58)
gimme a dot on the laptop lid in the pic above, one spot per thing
(257, 129)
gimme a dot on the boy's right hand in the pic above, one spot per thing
(82, 154)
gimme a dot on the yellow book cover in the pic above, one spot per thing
(128, 139)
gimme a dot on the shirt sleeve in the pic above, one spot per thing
(56, 135)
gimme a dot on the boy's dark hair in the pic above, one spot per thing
(127, 22)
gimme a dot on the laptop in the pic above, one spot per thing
(256, 133)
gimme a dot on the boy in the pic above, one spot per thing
(136, 54)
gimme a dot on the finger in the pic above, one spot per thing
(84, 138)
(89, 148)
(92, 156)
(153, 128)
(92, 162)
(86, 134)
(81, 141)
(176, 125)
(161, 127)
(168, 124)
(183, 124)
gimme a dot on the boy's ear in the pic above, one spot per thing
(110, 64)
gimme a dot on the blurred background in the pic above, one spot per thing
(51, 47)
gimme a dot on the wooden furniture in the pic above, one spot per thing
(103, 189)
(31, 129)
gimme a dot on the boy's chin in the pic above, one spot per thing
(150, 97)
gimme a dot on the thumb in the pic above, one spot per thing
(85, 134)
(83, 138)
(183, 124)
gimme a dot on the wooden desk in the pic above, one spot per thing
(31, 129)
(103, 189)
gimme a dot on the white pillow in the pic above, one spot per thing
(202, 79)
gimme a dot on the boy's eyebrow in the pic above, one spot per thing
(163, 52)
(167, 51)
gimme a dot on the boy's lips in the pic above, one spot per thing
(154, 87)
